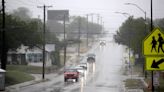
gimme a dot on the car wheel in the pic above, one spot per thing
(77, 79)
(65, 79)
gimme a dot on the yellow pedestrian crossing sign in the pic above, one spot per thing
(154, 63)
(153, 44)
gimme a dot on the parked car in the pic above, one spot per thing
(71, 73)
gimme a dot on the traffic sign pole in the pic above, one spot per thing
(151, 6)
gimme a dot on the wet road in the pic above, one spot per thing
(105, 77)
(107, 71)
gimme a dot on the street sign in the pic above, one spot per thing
(154, 63)
(153, 43)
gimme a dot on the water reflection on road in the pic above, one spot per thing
(106, 74)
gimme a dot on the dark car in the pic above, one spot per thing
(91, 58)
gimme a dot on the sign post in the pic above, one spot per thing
(154, 53)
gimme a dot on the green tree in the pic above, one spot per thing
(22, 13)
(131, 33)
(159, 23)
(20, 32)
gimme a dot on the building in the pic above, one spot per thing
(26, 56)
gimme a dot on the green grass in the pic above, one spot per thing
(138, 70)
(21, 73)
(161, 84)
(15, 77)
(133, 83)
(31, 69)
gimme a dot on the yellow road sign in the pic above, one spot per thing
(153, 43)
(154, 63)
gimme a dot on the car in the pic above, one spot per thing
(81, 70)
(102, 43)
(83, 65)
(71, 73)
(91, 58)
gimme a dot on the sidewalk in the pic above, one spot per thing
(133, 82)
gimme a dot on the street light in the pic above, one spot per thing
(124, 13)
(127, 15)
(138, 8)
(145, 25)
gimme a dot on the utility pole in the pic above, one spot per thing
(87, 30)
(98, 18)
(65, 43)
(44, 40)
(4, 51)
(79, 36)
(151, 6)
(101, 23)
(92, 28)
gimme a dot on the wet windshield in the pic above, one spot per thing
(115, 45)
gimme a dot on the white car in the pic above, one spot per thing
(81, 70)
(83, 65)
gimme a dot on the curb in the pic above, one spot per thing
(144, 83)
(28, 83)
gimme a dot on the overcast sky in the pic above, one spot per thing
(106, 8)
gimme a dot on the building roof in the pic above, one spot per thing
(24, 49)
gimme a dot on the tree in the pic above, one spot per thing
(131, 33)
(159, 23)
(20, 32)
(22, 13)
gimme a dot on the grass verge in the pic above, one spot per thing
(31, 69)
(133, 83)
(15, 77)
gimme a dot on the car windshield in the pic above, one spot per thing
(82, 45)
(71, 70)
